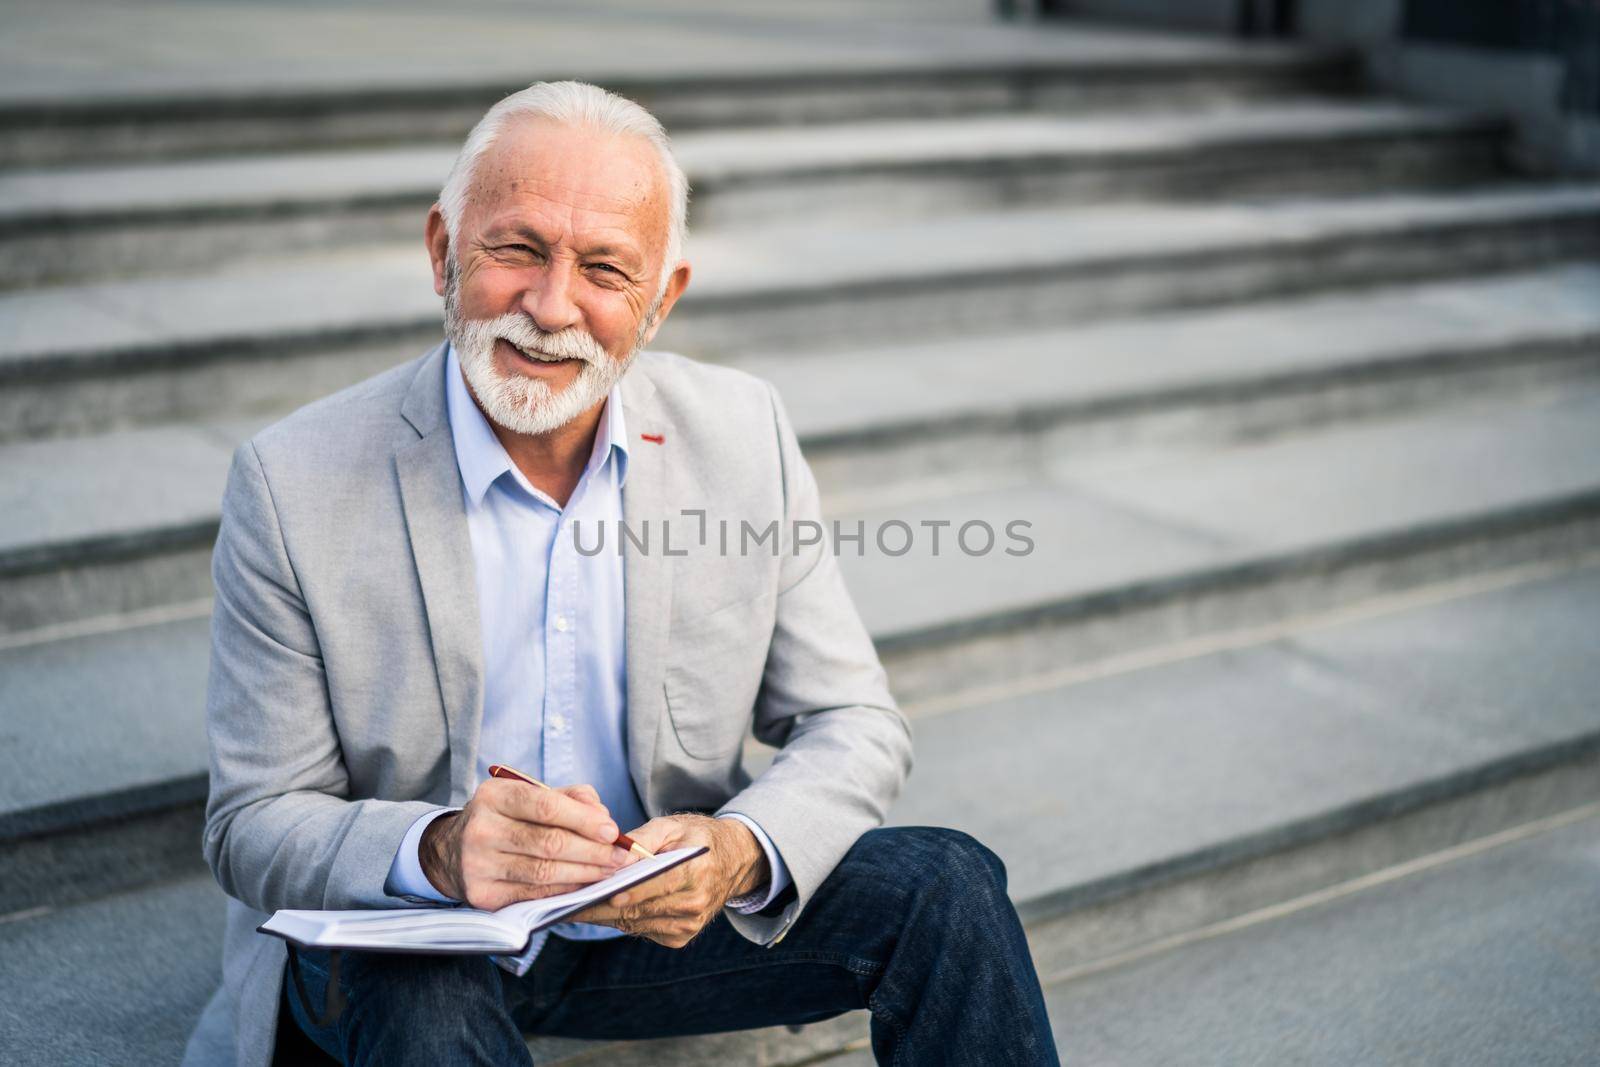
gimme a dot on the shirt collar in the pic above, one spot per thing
(483, 459)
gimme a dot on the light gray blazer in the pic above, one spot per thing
(346, 682)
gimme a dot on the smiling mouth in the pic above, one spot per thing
(536, 357)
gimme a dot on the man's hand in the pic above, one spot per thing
(672, 908)
(514, 841)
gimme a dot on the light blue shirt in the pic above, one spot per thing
(555, 677)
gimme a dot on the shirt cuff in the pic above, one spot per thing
(406, 878)
(750, 903)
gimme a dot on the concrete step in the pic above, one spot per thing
(810, 287)
(1468, 962)
(270, 335)
(838, 75)
(1129, 559)
(119, 980)
(102, 221)
(1148, 805)
(113, 523)
(885, 419)
(1132, 551)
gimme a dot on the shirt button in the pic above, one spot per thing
(558, 723)
(562, 624)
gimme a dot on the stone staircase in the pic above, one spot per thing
(1297, 389)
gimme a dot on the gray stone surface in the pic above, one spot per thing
(1136, 770)
(93, 222)
(100, 49)
(112, 485)
(1086, 138)
(1097, 522)
(930, 382)
(106, 221)
(272, 304)
(1336, 484)
(743, 280)
(117, 981)
(1492, 669)
(799, 254)
(119, 713)
(1080, 546)
(1123, 774)
(230, 183)
(1482, 961)
(1178, 761)
(334, 179)
(129, 702)
(1175, 510)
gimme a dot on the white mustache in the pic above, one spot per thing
(520, 333)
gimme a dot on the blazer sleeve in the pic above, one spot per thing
(824, 698)
(281, 830)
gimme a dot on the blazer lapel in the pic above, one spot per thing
(436, 521)
(646, 575)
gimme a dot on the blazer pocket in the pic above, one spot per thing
(714, 667)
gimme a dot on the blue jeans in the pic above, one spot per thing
(914, 925)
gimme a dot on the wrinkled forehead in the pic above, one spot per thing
(575, 179)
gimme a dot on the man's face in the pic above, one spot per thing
(559, 256)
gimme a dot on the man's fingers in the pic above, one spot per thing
(583, 794)
(662, 885)
(527, 870)
(659, 834)
(550, 807)
(673, 928)
(669, 905)
(675, 906)
(555, 843)
(501, 894)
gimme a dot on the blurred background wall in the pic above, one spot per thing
(1537, 61)
(1276, 326)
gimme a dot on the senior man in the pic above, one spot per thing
(408, 589)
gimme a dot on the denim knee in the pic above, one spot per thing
(416, 1009)
(938, 859)
(422, 984)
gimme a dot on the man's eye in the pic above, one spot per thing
(606, 266)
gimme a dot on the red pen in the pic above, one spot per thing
(500, 770)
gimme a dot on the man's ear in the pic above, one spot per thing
(675, 287)
(437, 237)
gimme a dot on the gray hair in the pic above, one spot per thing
(577, 104)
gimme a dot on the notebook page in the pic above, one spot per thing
(396, 928)
(457, 929)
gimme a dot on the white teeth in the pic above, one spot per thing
(530, 355)
(538, 357)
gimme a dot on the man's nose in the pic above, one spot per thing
(549, 302)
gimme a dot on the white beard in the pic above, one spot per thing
(527, 405)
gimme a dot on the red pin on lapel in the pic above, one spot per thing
(653, 438)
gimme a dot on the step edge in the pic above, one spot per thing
(1470, 351)
(269, 206)
(266, 99)
(34, 366)
(1253, 569)
(1370, 811)
(153, 796)
(1373, 810)
(1565, 344)
(97, 810)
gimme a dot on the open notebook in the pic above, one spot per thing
(457, 930)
